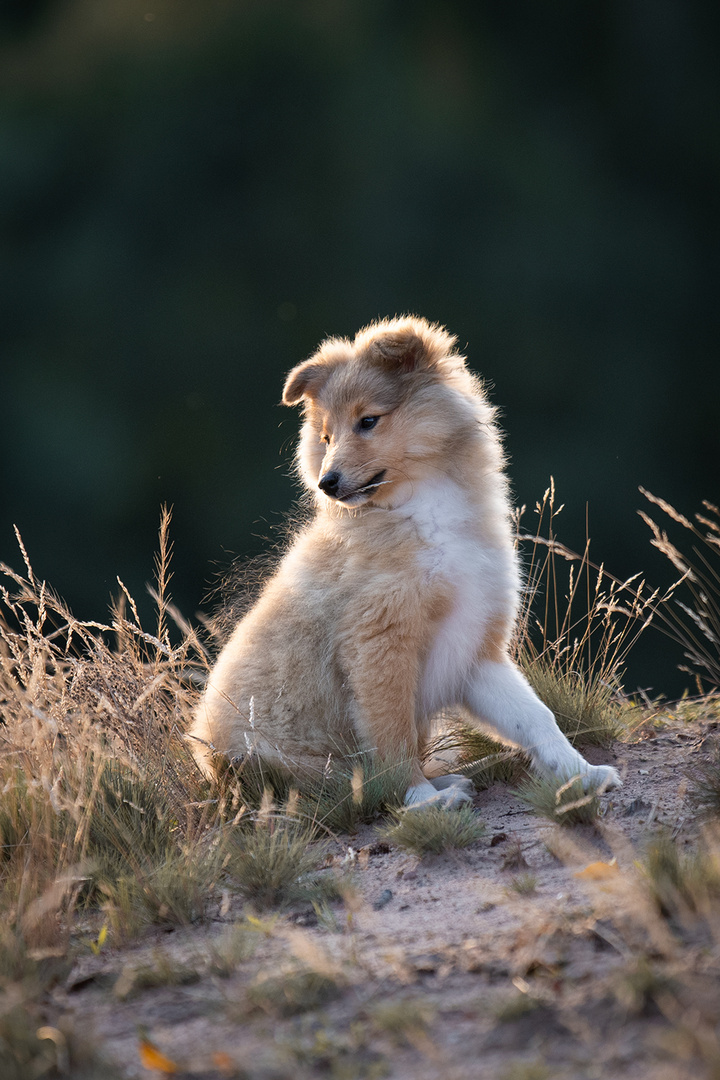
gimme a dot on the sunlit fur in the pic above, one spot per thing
(399, 598)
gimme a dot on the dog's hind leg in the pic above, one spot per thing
(503, 701)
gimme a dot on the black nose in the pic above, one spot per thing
(329, 483)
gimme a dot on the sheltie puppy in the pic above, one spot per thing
(398, 599)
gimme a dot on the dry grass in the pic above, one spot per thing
(103, 808)
(691, 613)
(103, 804)
(577, 628)
(523, 884)
(101, 796)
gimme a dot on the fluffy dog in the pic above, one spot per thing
(399, 598)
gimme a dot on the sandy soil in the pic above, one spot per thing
(496, 961)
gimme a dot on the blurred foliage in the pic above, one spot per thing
(193, 195)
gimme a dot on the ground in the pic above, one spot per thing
(529, 955)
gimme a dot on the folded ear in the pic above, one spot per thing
(406, 344)
(305, 380)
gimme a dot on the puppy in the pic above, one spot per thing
(399, 598)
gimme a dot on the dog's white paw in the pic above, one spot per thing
(453, 797)
(455, 780)
(420, 796)
(601, 776)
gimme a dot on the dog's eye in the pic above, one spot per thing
(368, 422)
(325, 438)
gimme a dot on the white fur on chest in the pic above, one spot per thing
(482, 579)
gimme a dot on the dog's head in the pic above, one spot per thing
(382, 412)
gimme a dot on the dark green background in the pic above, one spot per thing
(194, 193)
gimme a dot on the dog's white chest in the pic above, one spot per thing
(445, 525)
(481, 581)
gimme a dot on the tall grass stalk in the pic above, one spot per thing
(577, 626)
(693, 617)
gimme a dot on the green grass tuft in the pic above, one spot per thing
(586, 708)
(685, 888)
(353, 792)
(462, 748)
(294, 992)
(406, 1021)
(276, 864)
(524, 884)
(435, 829)
(565, 803)
(170, 890)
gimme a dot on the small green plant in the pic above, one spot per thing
(685, 887)
(565, 803)
(406, 1021)
(524, 884)
(163, 971)
(432, 830)
(237, 944)
(293, 992)
(276, 864)
(355, 790)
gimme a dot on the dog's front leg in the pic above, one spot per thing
(382, 668)
(383, 665)
(500, 696)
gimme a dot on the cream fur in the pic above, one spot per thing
(399, 598)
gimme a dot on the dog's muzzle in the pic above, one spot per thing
(332, 484)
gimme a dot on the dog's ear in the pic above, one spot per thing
(407, 344)
(305, 380)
